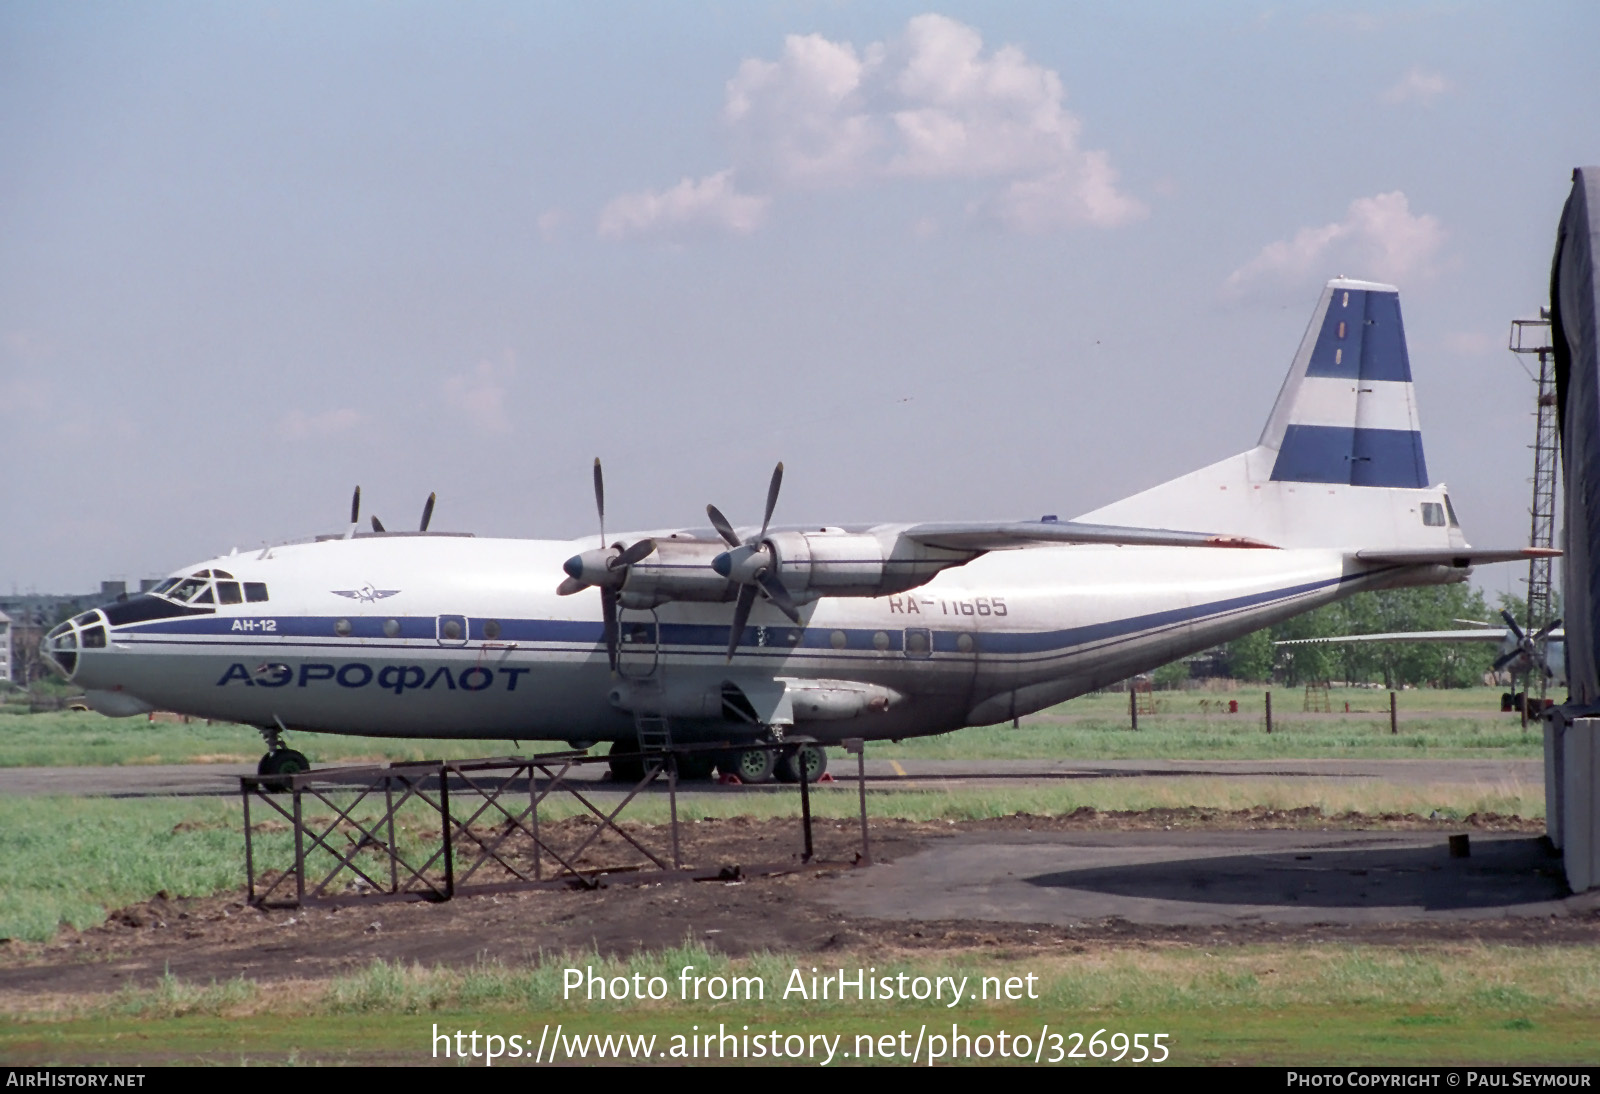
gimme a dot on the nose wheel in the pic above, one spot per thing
(280, 759)
(285, 761)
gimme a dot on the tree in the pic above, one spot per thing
(1252, 657)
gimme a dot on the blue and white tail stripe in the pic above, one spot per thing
(1348, 413)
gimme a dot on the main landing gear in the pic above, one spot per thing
(749, 765)
(760, 765)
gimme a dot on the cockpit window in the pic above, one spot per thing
(255, 591)
(228, 593)
(188, 588)
(165, 585)
(204, 597)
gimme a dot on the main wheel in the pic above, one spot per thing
(626, 765)
(695, 765)
(751, 765)
(815, 759)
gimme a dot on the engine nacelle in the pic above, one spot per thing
(833, 562)
(678, 569)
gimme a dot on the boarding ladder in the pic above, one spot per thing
(655, 732)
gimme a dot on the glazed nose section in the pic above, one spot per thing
(63, 645)
(60, 649)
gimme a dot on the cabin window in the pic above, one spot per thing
(1433, 514)
(491, 629)
(880, 640)
(838, 640)
(255, 592)
(391, 627)
(342, 628)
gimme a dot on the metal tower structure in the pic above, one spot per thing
(1532, 336)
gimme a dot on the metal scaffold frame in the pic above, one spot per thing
(487, 812)
(1532, 336)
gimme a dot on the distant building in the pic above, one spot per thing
(5, 648)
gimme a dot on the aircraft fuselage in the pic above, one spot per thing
(446, 636)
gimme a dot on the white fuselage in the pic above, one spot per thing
(444, 636)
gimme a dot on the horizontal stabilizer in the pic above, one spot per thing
(1455, 556)
(1476, 634)
(1011, 535)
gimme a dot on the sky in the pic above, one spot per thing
(956, 262)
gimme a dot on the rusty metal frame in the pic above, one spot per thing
(464, 846)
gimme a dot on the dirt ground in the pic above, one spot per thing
(221, 937)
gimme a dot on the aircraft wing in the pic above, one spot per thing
(1476, 634)
(1459, 557)
(1011, 535)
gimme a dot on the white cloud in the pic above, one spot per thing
(298, 425)
(931, 105)
(1378, 238)
(1418, 85)
(550, 222)
(711, 202)
(481, 394)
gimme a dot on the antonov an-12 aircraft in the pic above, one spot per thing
(801, 635)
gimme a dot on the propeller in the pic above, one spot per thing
(377, 525)
(752, 564)
(1530, 647)
(355, 513)
(605, 568)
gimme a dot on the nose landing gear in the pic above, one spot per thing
(280, 759)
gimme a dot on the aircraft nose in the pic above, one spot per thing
(60, 649)
(62, 646)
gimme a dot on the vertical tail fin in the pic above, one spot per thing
(1348, 411)
(1340, 462)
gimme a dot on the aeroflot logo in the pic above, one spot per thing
(355, 674)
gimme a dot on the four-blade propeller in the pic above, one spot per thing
(753, 565)
(377, 525)
(605, 568)
(1530, 646)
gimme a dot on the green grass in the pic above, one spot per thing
(81, 738)
(1318, 1004)
(1434, 724)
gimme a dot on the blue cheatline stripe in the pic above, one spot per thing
(1354, 457)
(585, 637)
(1362, 340)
